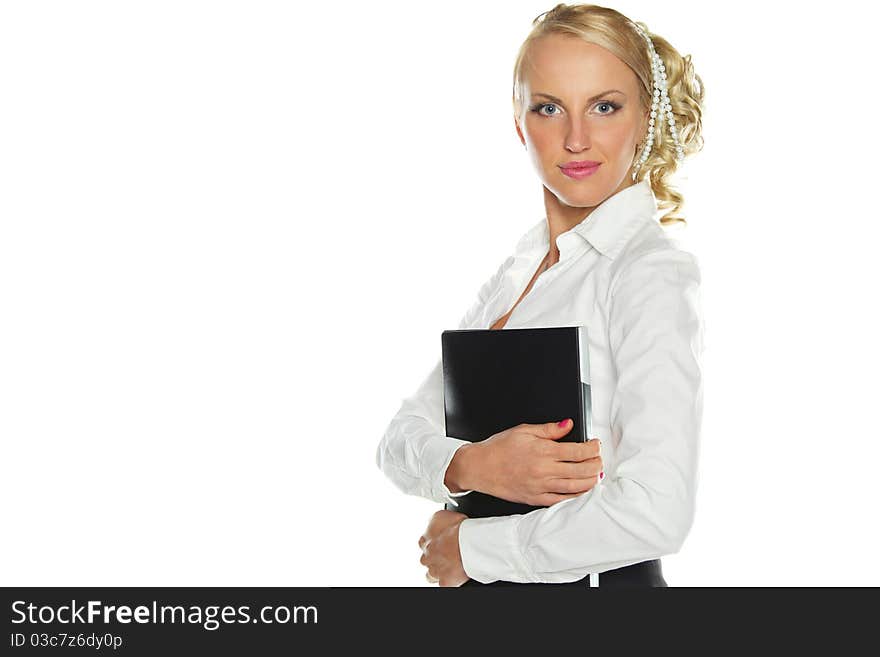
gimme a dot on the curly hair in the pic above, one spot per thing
(618, 34)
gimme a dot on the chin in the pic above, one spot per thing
(583, 200)
(581, 192)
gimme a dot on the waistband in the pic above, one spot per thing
(645, 574)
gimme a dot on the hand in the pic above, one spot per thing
(440, 552)
(525, 464)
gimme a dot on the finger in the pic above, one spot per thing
(549, 499)
(578, 451)
(576, 469)
(551, 430)
(572, 486)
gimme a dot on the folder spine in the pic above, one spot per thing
(586, 395)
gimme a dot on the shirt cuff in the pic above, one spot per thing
(490, 550)
(451, 495)
(435, 460)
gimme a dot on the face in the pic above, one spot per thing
(571, 113)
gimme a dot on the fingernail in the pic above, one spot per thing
(564, 423)
(602, 475)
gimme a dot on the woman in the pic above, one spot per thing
(606, 110)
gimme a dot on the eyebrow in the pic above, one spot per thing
(591, 99)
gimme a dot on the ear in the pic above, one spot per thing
(642, 134)
(644, 126)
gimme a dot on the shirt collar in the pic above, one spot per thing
(608, 227)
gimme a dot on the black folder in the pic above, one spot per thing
(496, 379)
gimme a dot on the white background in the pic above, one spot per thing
(232, 233)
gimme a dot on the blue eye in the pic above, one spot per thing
(537, 108)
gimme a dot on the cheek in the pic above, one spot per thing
(619, 139)
(541, 137)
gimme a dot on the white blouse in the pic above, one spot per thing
(620, 274)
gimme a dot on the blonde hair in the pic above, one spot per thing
(616, 33)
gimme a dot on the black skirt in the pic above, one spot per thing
(646, 574)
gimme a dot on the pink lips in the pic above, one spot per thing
(581, 169)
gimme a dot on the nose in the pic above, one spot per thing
(578, 137)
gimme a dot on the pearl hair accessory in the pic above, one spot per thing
(661, 100)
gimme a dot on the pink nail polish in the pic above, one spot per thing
(602, 475)
(563, 424)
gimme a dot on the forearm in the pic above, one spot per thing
(619, 522)
(415, 453)
(415, 458)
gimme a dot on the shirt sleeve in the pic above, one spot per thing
(644, 508)
(415, 452)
